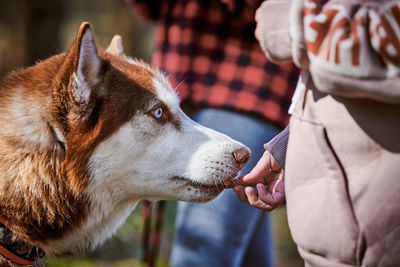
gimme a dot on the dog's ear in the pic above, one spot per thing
(115, 48)
(79, 83)
(87, 64)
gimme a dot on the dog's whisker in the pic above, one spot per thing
(180, 83)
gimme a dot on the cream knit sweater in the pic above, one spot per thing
(350, 47)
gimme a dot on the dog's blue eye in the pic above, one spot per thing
(158, 113)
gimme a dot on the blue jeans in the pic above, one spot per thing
(226, 231)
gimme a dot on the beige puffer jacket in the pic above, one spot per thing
(342, 176)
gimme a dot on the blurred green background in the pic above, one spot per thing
(34, 30)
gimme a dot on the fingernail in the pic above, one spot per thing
(228, 184)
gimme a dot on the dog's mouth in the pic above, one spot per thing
(216, 187)
(201, 187)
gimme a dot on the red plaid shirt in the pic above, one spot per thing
(214, 58)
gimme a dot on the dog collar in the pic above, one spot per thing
(17, 250)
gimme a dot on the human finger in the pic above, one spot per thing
(239, 190)
(233, 182)
(257, 34)
(271, 199)
(255, 201)
(278, 185)
(274, 164)
(257, 174)
(257, 15)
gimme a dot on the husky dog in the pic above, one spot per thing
(87, 134)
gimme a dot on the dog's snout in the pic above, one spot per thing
(242, 155)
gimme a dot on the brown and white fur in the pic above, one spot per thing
(86, 134)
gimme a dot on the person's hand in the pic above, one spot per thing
(267, 176)
(257, 18)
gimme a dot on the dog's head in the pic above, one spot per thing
(126, 131)
(141, 144)
(100, 131)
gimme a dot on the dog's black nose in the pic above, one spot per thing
(242, 155)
